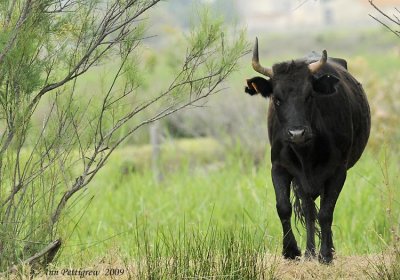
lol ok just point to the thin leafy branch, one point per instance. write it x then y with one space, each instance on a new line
54 135
393 21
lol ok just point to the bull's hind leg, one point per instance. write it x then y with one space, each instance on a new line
281 180
329 197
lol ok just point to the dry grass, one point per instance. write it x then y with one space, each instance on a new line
343 267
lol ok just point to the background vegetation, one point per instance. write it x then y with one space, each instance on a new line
216 198
213 214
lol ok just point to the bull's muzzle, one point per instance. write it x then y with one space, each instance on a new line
299 134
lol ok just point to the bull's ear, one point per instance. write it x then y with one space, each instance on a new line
326 84
258 85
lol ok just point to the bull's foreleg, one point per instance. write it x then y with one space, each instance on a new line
281 180
329 197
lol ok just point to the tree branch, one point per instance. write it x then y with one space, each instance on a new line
105 31
48 252
17 27
394 20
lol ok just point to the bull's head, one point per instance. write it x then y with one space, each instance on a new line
293 87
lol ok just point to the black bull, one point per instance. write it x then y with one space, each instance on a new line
318 126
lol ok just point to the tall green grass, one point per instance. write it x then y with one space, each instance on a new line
218 219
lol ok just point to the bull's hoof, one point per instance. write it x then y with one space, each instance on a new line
310 255
325 259
291 253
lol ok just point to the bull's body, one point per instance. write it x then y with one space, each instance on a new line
318 125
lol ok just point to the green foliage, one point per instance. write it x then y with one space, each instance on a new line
74 86
208 50
56 133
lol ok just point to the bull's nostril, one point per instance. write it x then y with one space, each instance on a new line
296 134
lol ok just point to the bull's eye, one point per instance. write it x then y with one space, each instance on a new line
277 101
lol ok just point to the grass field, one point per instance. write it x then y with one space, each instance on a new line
213 215
217 217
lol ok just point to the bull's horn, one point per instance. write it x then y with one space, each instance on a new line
315 66
256 63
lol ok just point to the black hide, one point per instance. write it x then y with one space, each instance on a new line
318 126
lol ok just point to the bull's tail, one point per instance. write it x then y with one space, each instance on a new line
298 208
